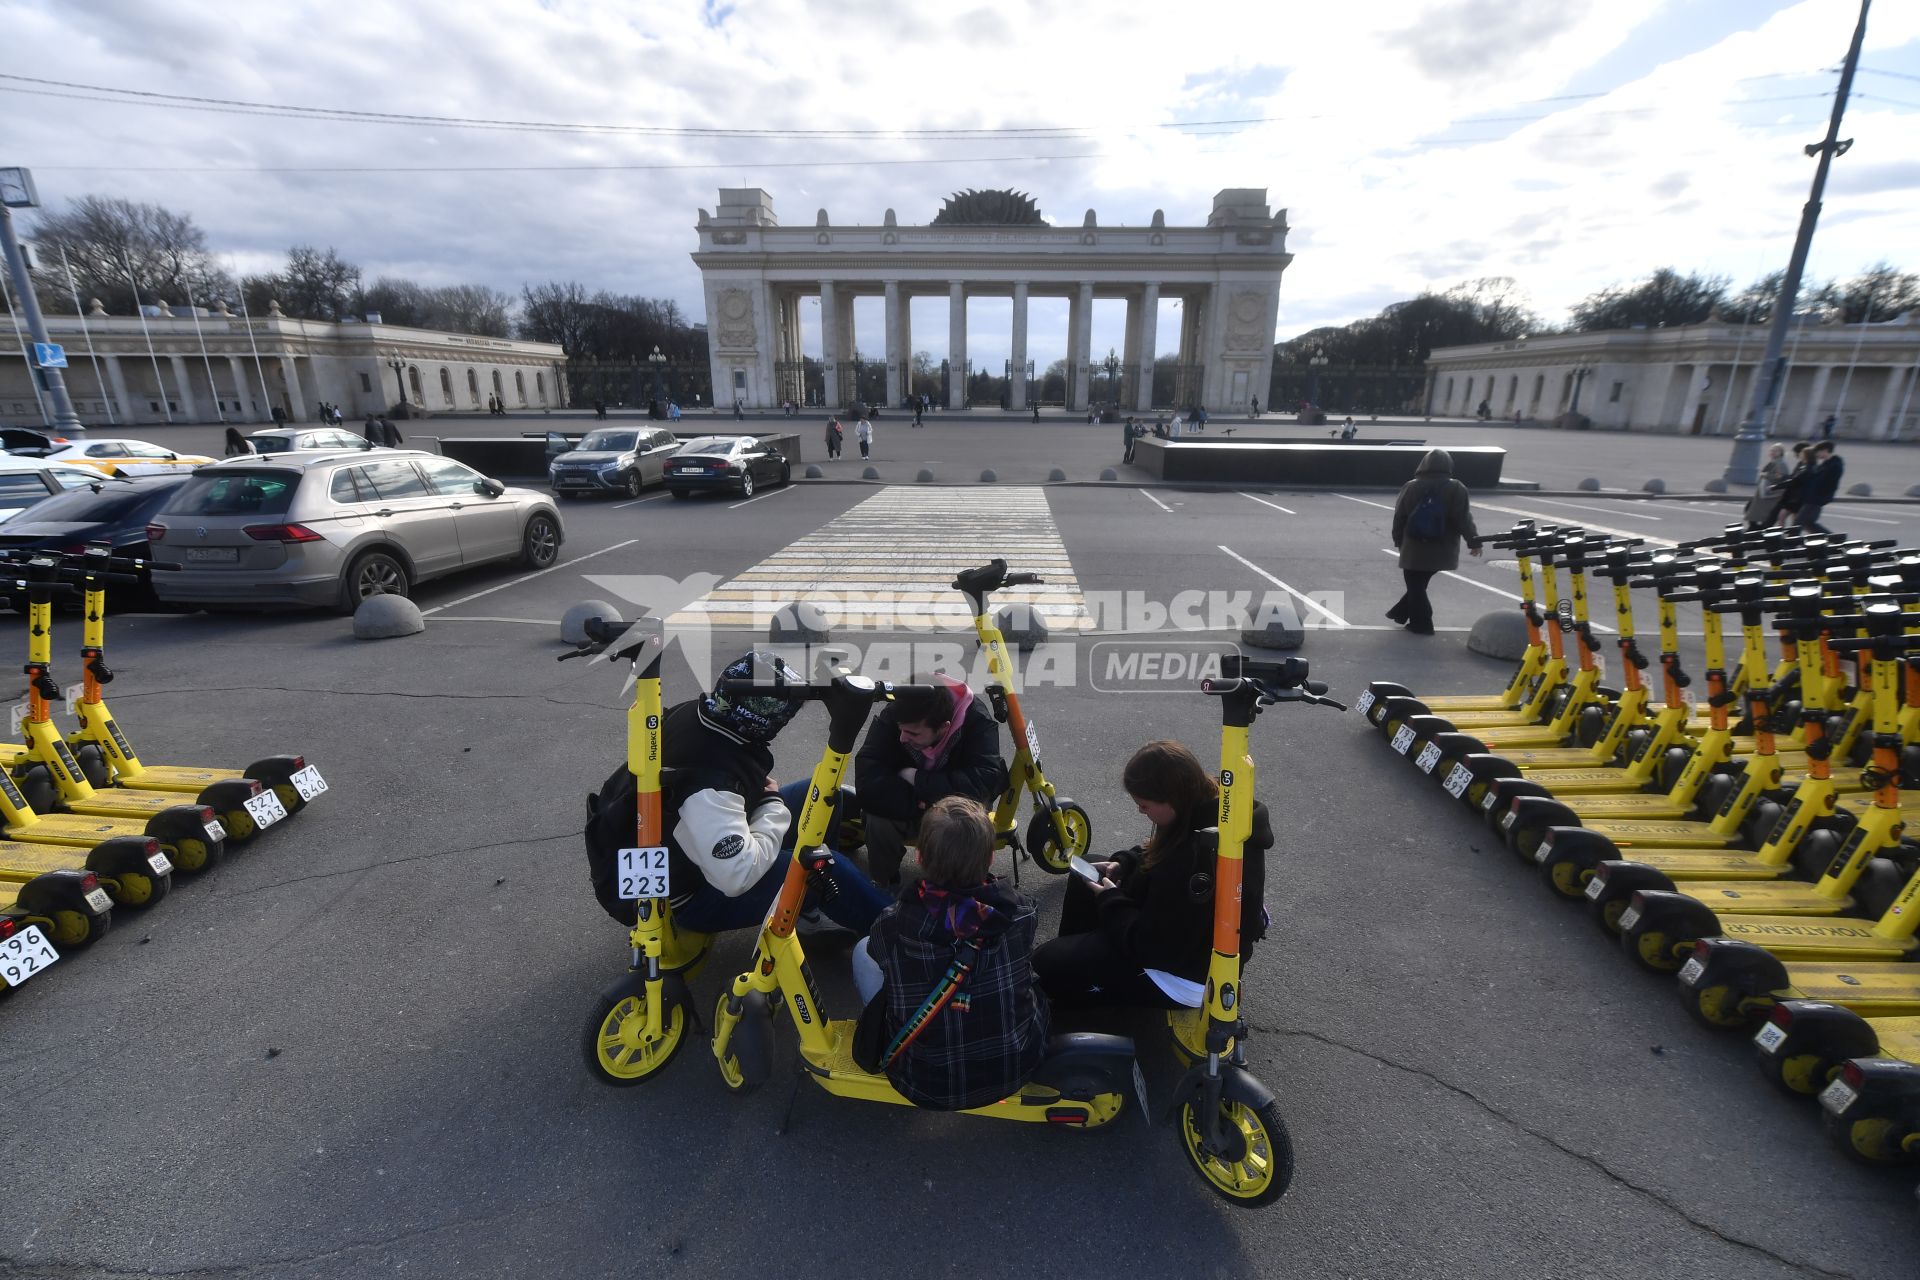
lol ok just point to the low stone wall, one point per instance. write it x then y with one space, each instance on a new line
1379 466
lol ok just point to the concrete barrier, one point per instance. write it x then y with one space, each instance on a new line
1330 464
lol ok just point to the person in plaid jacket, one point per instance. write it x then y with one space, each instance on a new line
952 1044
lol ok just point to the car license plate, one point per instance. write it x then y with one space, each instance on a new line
1429 756
265 809
1507 820
308 783
1363 702
1630 917
1770 1037
1403 739
25 954
1458 780
1837 1097
1140 1090
213 555
1690 972
644 873
1595 887
215 830
98 900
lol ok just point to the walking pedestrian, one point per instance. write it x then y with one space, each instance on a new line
389 434
916 411
1791 487
739 413
1036 411
1826 428
835 438
1430 517
1129 434
1821 486
236 444
1256 406
1764 505
864 433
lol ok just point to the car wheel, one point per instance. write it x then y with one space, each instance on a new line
540 544
372 573
746 485
632 485
786 473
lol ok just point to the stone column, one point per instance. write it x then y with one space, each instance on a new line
1080 348
238 368
956 344
1148 334
117 379
292 376
906 342
1880 426
897 359
1814 411
1017 390
830 343
189 409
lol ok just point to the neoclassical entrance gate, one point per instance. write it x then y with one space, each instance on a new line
992 243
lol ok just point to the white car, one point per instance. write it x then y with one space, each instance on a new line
126 457
26 481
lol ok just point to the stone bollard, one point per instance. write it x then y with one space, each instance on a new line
1500 634
1715 485
925 477
1021 624
1590 485
383 617
573 623
1109 474
1861 490
1654 486
798 622
988 477
871 473
1055 476
814 472
1275 633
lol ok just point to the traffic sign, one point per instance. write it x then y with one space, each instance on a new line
49 355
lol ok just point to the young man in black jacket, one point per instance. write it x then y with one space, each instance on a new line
1820 485
920 748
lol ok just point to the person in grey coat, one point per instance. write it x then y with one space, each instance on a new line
1420 557
1764 506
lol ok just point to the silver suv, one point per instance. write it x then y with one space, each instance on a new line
334 528
612 460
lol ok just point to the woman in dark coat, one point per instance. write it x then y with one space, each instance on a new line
1763 508
1421 557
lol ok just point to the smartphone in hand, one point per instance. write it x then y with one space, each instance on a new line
1084 869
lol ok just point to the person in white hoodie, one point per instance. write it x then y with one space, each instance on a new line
864 433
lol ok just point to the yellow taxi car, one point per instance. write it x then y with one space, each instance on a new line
127 457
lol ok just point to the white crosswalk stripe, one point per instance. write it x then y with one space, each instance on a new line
888 564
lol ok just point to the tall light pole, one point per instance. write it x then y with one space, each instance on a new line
657 362
1314 364
16 192
1743 467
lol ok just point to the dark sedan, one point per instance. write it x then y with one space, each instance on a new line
114 511
731 464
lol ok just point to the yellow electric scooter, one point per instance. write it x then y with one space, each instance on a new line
66 906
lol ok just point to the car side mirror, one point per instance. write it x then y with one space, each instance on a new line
489 486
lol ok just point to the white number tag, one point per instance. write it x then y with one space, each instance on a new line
1837 1097
158 861
1458 779
1543 852
216 831
1140 1088
1507 820
308 783
1403 739
25 954
98 900
1770 1037
1595 887
73 693
265 809
1487 800
1690 972
643 873
1363 702
20 710
1630 917
1033 740
1429 756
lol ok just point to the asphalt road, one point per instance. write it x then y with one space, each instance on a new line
353 1049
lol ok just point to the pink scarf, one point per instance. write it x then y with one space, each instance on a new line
936 754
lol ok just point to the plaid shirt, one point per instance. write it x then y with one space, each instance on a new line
992 1035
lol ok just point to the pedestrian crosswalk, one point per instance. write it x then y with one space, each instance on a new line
888 564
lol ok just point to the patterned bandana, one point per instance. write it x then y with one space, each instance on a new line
752 717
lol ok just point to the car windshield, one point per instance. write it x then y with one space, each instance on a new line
708 444
236 493
607 442
112 502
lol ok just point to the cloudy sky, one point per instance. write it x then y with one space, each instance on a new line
1415 143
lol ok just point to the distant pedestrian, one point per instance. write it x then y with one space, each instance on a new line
916 411
600 409
1347 430
739 413
1821 485
1200 418
1794 484
389 434
1256 406
1764 505
835 437
491 407
279 416
864 433
1484 412
1036 411
1826 428
237 444
1130 436
1430 517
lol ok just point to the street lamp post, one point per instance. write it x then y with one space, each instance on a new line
1112 365
1314 365
17 192
657 362
399 368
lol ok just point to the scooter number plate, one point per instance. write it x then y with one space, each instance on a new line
1488 800
216 831
643 873
1403 740
1770 1037
1689 972
1837 1097
308 783
1429 756
25 954
98 900
158 861
1631 917
1364 701
1458 780
1033 741
1140 1090
1507 820
1595 887
265 809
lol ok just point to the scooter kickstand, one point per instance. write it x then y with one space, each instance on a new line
785 1126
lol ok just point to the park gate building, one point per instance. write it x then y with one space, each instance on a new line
993 243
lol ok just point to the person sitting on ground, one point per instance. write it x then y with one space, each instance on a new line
920 748
237 444
1143 936
723 816
990 1036
1347 430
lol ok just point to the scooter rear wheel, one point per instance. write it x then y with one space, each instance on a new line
1263 1174
1043 841
615 1044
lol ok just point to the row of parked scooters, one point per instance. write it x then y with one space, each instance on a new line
86 826
1749 840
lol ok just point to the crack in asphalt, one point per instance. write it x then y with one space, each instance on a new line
397 860
1593 1162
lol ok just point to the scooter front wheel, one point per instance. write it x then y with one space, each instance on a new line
1264 1170
1043 837
616 1044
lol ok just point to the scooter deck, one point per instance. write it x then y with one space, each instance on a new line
124 802
1589 782
20 861
1551 758
74 829
1628 806
1899 1037
178 778
1778 897
1709 864
1868 989
1468 702
1813 938
1497 740
1511 719
1628 833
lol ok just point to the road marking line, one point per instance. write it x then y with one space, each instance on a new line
1156 502
773 493
1474 582
529 577
1364 501
1550 518
531 622
1263 502
1314 605
1581 506
634 502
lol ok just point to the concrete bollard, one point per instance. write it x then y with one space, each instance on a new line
798 622
925 477
1276 633
1055 476
871 473
1500 634
384 617
1109 474
1590 485
1654 486
988 477
1861 490
813 471
573 623
1021 624
1715 485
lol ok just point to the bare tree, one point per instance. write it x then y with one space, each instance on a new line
104 237
316 285
1664 298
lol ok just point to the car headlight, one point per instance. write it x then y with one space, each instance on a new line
608 468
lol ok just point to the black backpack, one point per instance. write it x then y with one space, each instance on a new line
613 815
1428 523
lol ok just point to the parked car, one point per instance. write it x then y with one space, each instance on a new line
125 457
333 528
28 443
25 482
286 439
613 460
734 464
112 511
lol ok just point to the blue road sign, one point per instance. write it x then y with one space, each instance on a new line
49 355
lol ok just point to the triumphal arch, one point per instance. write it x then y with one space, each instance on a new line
984 244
